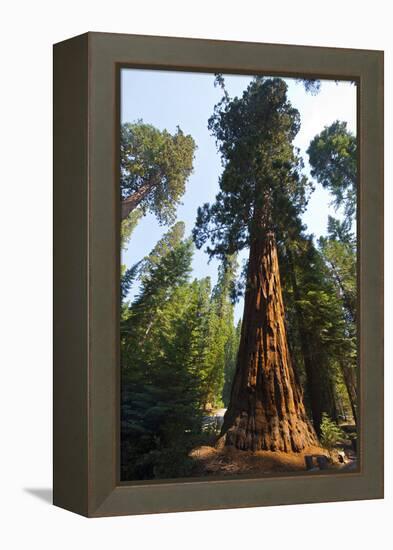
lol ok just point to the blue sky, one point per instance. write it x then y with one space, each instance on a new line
167 99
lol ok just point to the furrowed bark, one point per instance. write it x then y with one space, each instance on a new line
266 410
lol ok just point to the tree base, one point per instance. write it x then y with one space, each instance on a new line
251 433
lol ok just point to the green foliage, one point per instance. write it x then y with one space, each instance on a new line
311 85
331 433
160 395
128 225
156 165
339 253
333 160
231 349
166 245
173 339
315 321
321 310
128 277
341 231
344 408
219 334
262 170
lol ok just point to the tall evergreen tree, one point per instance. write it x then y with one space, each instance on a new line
161 396
127 227
231 351
315 319
333 159
261 194
338 251
154 168
221 319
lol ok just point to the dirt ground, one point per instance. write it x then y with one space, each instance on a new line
229 461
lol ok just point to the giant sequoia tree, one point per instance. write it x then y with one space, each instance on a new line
154 169
262 193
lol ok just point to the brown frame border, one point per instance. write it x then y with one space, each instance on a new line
86 273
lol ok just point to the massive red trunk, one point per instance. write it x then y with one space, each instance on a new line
266 409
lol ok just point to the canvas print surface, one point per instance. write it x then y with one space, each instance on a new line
238 317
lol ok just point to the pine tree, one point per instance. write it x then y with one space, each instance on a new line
161 398
220 327
127 227
231 351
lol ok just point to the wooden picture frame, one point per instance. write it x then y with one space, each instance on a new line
86 272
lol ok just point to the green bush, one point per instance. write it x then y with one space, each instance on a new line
331 433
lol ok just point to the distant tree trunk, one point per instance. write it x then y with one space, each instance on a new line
350 383
266 409
347 300
130 203
319 385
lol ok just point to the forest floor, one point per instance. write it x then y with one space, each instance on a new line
229 460
212 460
